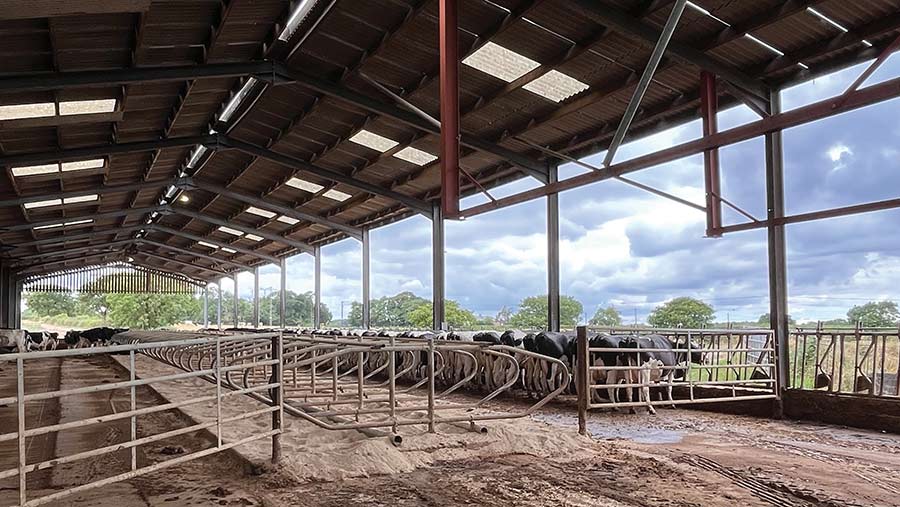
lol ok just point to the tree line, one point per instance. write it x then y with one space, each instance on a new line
402 310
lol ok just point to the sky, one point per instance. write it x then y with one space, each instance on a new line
624 247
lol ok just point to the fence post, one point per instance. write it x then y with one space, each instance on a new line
20 409
277 396
218 391
431 385
582 378
133 408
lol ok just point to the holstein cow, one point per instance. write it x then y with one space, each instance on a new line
41 340
12 340
91 337
555 345
674 363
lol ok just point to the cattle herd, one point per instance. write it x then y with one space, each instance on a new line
623 362
21 340
633 363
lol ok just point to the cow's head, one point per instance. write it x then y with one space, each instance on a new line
72 337
508 338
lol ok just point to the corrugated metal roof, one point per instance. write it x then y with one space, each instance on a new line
393 42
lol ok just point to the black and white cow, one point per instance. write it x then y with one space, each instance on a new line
13 340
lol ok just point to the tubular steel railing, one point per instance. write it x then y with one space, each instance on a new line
734 365
374 385
860 361
215 369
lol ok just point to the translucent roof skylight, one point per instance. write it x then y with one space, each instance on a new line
556 86
208 245
374 141
79 165
34 170
288 220
303 185
43 204
229 230
87 106
82 164
337 195
81 198
20 111
500 62
237 99
229 250
253 237
260 212
415 156
65 224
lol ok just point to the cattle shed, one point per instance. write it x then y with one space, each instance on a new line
183 142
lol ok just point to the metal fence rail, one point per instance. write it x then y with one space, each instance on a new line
376 385
862 361
735 365
23 433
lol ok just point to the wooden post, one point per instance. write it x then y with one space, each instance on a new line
277 397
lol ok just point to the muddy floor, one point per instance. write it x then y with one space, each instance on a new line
676 458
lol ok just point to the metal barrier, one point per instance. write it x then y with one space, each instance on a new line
862 361
371 384
730 365
215 370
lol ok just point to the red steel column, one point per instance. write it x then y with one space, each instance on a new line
449 56
709 106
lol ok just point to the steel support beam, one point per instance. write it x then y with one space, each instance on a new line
181 263
299 245
366 279
816 215
864 97
206 306
45 267
449 70
194 237
219 305
282 299
256 297
152 185
72 251
337 177
103 78
437 268
532 167
619 20
709 110
644 83
262 203
237 300
88 152
95 217
553 297
192 253
777 250
79 236
317 288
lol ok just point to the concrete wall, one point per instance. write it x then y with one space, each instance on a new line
868 412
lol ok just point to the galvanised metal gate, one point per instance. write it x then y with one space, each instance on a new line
218 367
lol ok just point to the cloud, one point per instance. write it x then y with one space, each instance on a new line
623 246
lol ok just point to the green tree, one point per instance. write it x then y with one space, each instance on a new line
387 311
765 321
92 304
503 316
608 316
298 309
43 304
533 310
457 317
875 314
682 312
149 311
